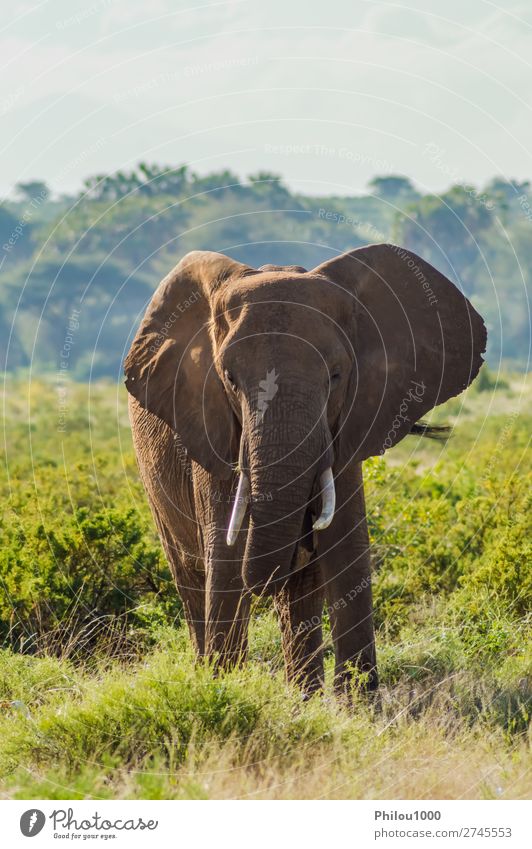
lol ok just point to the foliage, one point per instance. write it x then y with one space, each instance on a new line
103 251
169 729
80 566
99 693
486 381
393 188
481 241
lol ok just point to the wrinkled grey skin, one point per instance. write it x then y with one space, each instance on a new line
282 373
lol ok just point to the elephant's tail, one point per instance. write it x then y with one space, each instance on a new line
441 432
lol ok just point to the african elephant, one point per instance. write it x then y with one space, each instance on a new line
255 395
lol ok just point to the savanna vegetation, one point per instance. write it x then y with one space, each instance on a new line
99 692
100 253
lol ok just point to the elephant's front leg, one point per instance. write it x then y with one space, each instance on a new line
227 613
227 603
299 606
344 554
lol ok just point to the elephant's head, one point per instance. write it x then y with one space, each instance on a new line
284 374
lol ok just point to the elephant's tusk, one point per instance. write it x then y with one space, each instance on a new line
239 509
328 501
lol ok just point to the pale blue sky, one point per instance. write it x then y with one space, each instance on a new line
326 93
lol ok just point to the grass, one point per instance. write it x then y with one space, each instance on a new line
166 728
100 696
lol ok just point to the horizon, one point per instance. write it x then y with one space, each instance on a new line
245 178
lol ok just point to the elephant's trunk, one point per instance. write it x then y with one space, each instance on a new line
283 466
328 503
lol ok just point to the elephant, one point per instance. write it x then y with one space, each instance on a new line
255 395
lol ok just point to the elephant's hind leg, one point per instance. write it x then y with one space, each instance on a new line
300 608
191 588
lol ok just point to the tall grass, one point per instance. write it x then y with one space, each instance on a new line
167 728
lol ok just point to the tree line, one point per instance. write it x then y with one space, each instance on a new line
99 254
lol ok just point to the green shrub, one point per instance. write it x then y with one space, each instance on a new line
487 381
64 585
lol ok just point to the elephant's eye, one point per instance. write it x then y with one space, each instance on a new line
335 376
230 379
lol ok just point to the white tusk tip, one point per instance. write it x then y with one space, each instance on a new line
328 501
321 524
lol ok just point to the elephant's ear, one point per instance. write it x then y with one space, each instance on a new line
169 368
416 341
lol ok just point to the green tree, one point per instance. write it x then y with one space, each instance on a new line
449 231
393 188
31 190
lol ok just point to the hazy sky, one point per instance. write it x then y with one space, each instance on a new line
327 93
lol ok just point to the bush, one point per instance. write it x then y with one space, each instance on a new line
66 587
80 565
487 381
